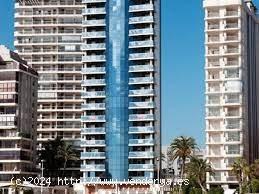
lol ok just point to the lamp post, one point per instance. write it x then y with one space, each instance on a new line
41 187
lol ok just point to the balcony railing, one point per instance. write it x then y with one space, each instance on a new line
213 14
139 80
92 154
141 68
93 70
232 13
141 130
93 167
148 43
93 130
143 31
233 152
140 166
141 92
233 126
93 106
93 94
141 117
96 46
90 82
93 34
93 58
143 7
138 56
94 22
144 154
141 104
141 141
94 11
231 25
92 142
93 118
213 26
144 19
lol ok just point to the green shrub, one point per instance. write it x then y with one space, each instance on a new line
216 190
255 186
195 190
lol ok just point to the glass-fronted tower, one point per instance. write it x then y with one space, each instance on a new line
121 89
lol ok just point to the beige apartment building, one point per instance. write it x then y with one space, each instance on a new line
231 66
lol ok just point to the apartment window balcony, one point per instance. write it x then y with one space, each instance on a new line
143 154
134 44
233 126
213 114
213 39
94 22
141 105
232 75
213 14
94 82
143 31
94 11
213 27
93 58
93 94
232 50
232 63
93 118
143 19
232 100
213 101
89 155
100 130
142 92
93 1
233 152
141 166
139 56
215 139
232 38
141 142
137 68
231 13
93 70
231 25
93 167
213 89
93 106
93 142
141 130
213 52
213 76
94 34
143 7
233 138
95 46
141 80
141 117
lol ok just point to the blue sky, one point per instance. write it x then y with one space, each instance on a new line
182 65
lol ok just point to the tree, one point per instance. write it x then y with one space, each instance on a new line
66 153
255 169
241 170
181 148
197 168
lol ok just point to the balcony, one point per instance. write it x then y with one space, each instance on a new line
213 52
233 152
143 31
231 25
213 101
141 166
93 118
95 46
140 68
93 82
143 19
143 154
94 34
213 39
93 70
86 131
92 142
232 38
137 44
231 13
141 80
232 51
141 130
213 27
93 58
215 178
90 155
141 117
94 22
93 94
233 100
213 114
93 167
138 142
141 105
143 7
213 14
93 1
94 11
93 106
139 56
233 126
142 92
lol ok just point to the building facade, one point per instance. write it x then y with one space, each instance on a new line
231 46
48 36
121 89
18 117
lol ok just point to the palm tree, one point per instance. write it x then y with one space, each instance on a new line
197 169
241 170
181 148
66 153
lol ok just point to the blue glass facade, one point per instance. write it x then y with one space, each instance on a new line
117 90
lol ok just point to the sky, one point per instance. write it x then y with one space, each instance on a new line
182 65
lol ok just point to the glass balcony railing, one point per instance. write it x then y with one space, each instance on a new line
233 152
213 14
93 58
93 130
231 25
93 82
141 141
94 22
92 154
143 7
233 126
144 19
93 70
139 80
93 1
95 46
92 142
141 68
94 11
143 154
141 117
93 106
142 92
93 94
140 166
232 100
137 56
143 31
232 13
93 118
93 34
148 43
213 26
141 130
93 167
141 104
